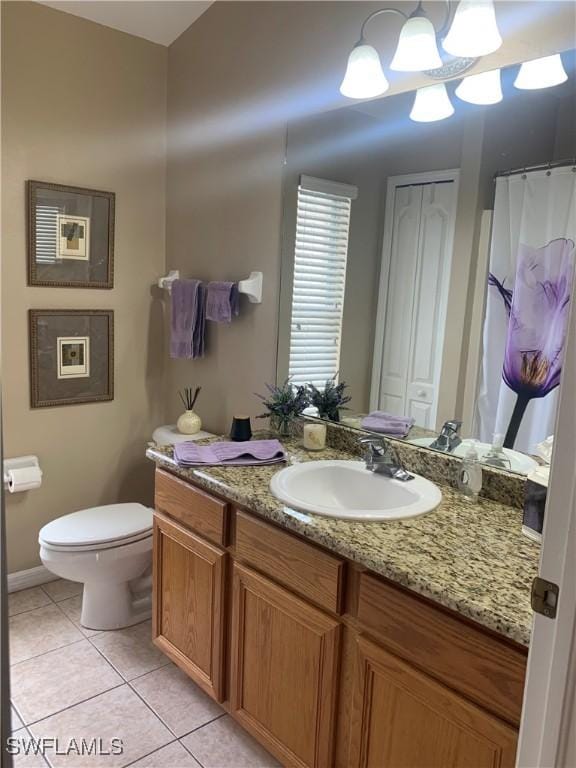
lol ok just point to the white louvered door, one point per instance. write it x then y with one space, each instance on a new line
419 274
321 251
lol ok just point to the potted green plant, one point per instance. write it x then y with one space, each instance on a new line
330 400
284 403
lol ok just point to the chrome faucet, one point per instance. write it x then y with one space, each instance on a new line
449 438
381 459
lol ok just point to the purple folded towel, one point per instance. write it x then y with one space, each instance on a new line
387 423
229 453
222 301
187 325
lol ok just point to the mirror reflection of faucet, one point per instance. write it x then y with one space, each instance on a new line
449 438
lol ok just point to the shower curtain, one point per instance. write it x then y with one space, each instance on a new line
530 282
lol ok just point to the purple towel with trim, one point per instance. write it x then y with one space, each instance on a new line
187 322
387 423
256 452
222 301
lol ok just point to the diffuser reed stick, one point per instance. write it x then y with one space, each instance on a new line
189 399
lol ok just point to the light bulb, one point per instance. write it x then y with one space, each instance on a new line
417 50
484 88
364 77
431 103
474 31
541 73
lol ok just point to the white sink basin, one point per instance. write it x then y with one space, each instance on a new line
347 490
519 462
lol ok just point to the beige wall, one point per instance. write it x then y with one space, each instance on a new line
82 105
235 79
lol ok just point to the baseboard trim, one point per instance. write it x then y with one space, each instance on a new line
30 578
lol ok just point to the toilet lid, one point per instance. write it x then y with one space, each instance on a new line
98 525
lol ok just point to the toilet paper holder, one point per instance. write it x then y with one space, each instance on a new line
20 462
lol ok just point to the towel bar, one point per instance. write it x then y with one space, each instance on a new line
251 287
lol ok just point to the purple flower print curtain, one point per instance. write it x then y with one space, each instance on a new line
530 283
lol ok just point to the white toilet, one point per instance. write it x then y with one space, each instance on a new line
109 550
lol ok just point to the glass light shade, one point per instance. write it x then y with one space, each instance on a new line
431 103
417 49
364 77
484 88
541 73
474 31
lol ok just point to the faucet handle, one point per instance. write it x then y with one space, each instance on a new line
374 444
452 426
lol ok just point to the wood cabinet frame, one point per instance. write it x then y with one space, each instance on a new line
375 637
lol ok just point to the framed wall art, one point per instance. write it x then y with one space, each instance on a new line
70 236
71 356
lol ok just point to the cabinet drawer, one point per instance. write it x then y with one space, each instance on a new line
488 671
302 567
196 509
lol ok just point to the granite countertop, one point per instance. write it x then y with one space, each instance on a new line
468 557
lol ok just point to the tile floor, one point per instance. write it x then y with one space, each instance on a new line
70 683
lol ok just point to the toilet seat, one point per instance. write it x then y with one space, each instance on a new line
96 528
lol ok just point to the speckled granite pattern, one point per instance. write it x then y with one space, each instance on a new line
468 557
498 485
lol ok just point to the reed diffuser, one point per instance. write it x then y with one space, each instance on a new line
189 423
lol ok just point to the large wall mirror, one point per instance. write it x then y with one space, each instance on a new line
429 266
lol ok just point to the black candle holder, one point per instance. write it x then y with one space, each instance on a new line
241 429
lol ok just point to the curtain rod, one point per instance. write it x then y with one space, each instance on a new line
541 167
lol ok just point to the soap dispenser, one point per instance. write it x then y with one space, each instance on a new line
470 474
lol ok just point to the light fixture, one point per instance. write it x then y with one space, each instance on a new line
484 88
431 103
541 73
474 31
364 77
417 48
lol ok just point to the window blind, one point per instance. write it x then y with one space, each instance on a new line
321 251
46 233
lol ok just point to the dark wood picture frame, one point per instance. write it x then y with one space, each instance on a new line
38 399
34 278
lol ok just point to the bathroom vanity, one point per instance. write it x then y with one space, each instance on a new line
339 643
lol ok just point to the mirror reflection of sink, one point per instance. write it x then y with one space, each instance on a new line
347 490
519 462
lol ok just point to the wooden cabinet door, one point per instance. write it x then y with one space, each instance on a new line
187 618
284 671
402 718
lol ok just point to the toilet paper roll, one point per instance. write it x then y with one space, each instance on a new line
24 479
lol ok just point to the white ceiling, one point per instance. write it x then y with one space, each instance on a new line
160 21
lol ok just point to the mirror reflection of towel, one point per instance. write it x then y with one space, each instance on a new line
222 301
388 423
188 319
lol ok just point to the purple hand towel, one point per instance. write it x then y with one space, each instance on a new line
222 301
255 452
187 326
387 423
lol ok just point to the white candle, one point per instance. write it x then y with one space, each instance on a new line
314 437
